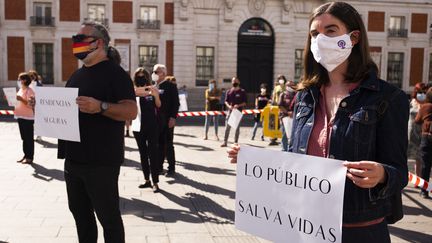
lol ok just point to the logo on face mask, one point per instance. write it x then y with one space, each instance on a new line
330 52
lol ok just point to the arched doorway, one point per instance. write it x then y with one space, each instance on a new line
255 54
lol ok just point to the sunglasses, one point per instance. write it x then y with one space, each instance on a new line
82 37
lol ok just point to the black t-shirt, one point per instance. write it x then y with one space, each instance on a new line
102 139
149 120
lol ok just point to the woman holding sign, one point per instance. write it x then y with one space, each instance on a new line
25 115
344 111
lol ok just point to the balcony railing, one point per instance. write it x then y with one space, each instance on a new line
101 21
148 24
41 21
398 33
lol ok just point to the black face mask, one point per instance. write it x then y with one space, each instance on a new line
235 85
140 82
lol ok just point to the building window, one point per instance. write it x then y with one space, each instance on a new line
96 13
148 18
298 65
43 61
148 57
42 15
395 68
397 27
204 65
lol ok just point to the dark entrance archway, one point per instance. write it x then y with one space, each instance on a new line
255 54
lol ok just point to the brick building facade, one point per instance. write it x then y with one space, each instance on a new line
204 39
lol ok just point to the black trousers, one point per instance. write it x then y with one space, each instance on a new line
166 148
26 131
377 233
94 189
147 142
426 156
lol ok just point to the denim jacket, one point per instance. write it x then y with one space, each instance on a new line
362 130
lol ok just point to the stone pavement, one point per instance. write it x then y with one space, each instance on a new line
195 206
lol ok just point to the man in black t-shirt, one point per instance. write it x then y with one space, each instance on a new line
170 104
106 100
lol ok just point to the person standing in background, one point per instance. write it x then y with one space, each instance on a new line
424 118
212 96
418 97
36 82
277 91
235 99
261 101
286 104
147 137
25 116
168 94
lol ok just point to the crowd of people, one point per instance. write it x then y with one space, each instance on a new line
339 110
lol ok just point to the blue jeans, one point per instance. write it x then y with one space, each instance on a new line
208 119
255 128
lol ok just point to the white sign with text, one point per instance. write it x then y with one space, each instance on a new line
235 118
288 197
11 94
56 113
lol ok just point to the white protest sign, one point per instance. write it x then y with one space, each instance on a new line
287 123
136 123
183 102
11 94
56 113
288 197
235 118
124 55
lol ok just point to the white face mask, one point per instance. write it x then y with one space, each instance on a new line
331 51
155 77
421 97
281 81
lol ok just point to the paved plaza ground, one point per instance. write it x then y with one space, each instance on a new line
195 206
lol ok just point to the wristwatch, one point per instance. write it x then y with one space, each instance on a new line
103 107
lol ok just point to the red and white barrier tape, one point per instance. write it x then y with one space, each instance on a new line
417 181
180 114
212 113
7 112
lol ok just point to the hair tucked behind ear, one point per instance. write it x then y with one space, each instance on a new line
113 55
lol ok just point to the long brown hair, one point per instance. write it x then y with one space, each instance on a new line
360 64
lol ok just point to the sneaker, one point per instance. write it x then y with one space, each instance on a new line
252 138
156 188
223 145
424 194
170 174
145 185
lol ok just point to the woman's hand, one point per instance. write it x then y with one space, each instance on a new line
233 153
365 174
142 92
